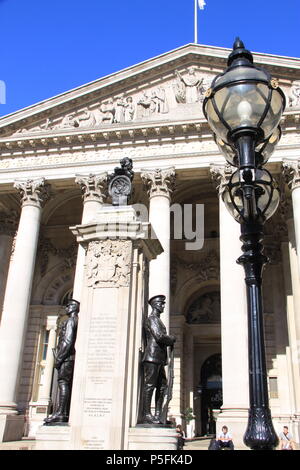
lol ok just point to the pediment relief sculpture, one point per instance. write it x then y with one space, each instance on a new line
177 98
189 88
294 95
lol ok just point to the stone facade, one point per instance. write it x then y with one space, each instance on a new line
54 152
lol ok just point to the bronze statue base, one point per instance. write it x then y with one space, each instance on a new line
56 423
148 425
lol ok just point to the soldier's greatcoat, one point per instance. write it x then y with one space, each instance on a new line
157 341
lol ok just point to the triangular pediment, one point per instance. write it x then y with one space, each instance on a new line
167 88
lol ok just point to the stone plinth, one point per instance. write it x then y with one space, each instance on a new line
53 438
106 384
152 438
11 427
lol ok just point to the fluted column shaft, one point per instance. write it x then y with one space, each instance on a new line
160 183
234 325
292 175
92 187
18 290
8 227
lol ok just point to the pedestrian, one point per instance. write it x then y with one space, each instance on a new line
286 439
180 437
224 440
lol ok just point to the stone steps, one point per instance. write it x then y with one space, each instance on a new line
24 444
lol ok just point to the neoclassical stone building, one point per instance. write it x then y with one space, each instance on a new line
54 160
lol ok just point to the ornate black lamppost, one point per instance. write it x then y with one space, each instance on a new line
243 108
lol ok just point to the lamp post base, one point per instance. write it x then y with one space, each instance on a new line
260 433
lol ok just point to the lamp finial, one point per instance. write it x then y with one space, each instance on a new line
239 52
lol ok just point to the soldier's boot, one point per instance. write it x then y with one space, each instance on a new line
158 407
61 413
148 418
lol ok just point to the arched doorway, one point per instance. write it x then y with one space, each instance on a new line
210 389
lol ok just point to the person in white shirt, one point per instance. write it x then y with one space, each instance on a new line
286 439
225 439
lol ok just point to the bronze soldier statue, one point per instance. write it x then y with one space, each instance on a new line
64 363
154 360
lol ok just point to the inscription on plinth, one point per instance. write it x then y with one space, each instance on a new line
100 370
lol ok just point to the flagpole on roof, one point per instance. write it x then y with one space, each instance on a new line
198 4
196 22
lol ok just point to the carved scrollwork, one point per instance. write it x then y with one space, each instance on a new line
33 191
67 255
159 181
291 172
8 223
92 186
208 268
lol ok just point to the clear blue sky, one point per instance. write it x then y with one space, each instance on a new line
51 46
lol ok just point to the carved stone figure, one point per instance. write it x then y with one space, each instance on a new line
120 183
294 97
163 106
64 363
129 109
107 112
158 101
143 106
192 86
179 91
87 119
120 109
67 122
154 361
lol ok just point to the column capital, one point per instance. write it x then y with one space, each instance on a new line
8 222
92 186
34 192
159 181
291 173
220 175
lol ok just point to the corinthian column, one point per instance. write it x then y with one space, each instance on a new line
290 260
18 291
160 183
234 329
8 225
93 192
291 171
